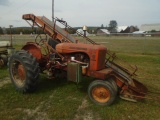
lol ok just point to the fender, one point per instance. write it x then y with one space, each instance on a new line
34 49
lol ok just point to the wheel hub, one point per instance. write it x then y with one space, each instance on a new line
21 72
101 94
18 73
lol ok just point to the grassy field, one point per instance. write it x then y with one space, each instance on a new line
62 100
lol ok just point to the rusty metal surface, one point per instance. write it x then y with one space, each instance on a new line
18 73
58 30
49 27
130 91
101 94
101 74
78 33
120 66
52 29
21 72
96 53
34 49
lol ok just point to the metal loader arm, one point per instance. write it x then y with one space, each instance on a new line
49 27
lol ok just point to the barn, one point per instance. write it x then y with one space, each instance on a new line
150 27
127 29
103 32
121 28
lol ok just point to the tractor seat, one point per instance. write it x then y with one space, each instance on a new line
53 42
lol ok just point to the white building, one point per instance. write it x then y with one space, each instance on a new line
82 32
121 28
150 27
103 32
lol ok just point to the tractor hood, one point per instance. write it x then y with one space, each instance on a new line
79 47
96 53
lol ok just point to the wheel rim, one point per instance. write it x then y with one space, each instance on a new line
18 73
101 94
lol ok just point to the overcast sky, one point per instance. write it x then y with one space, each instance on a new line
82 12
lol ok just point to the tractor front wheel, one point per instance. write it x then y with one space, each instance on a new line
101 92
24 71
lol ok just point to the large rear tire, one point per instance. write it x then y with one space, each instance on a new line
24 71
101 93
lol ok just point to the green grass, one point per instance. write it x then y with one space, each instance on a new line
139 45
66 100
3 72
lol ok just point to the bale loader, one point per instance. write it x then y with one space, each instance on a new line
65 56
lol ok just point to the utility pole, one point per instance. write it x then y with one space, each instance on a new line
11 33
52 10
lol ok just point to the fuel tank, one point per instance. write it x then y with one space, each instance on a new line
96 53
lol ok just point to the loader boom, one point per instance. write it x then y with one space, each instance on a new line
49 27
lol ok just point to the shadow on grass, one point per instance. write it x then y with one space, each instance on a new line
46 84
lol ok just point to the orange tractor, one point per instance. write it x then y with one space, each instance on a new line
63 55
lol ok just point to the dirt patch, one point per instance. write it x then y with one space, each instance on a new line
4 81
36 113
84 113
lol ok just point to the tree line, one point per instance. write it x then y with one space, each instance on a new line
21 30
111 27
28 30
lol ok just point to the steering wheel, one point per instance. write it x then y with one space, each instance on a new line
39 39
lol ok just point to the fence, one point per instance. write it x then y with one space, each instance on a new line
132 34
126 44
18 39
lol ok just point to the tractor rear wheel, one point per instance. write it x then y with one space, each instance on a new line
101 92
24 71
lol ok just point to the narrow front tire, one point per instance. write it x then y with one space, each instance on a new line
101 93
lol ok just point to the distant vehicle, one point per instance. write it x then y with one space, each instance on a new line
5 50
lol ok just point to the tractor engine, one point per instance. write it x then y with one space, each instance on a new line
93 55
